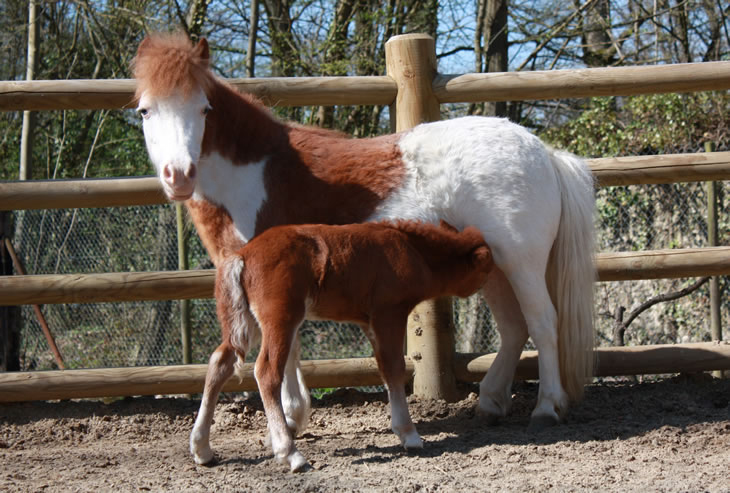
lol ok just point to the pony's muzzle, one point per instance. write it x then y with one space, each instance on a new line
179 184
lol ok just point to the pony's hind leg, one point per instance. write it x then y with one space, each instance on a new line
220 368
295 396
495 390
386 336
541 318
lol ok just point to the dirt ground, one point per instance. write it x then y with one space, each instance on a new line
666 435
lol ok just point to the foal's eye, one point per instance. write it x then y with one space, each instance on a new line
143 112
207 110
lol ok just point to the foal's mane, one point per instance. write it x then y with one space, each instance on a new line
169 62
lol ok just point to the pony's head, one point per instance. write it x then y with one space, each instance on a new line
173 79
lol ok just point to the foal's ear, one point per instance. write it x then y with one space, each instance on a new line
482 258
448 227
201 49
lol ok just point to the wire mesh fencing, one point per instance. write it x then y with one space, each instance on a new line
148 333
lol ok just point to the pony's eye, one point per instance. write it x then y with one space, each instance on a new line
143 112
207 110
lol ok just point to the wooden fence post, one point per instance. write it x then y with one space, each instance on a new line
411 61
712 240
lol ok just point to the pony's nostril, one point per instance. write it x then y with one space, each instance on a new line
167 172
191 172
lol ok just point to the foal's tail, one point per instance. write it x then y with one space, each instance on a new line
233 309
571 272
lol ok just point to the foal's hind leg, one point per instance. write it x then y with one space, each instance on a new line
388 332
495 390
220 368
295 397
277 332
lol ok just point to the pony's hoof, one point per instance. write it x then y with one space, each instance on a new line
298 463
540 423
413 442
490 419
204 459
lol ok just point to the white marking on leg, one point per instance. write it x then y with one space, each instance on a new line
200 436
401 422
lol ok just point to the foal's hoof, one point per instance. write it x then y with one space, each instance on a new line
540 423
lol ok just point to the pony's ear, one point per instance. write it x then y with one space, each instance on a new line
201 49
144 45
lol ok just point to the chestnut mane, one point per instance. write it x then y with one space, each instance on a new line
169 62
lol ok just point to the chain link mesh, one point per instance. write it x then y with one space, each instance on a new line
147 333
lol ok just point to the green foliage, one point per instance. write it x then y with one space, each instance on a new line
647 124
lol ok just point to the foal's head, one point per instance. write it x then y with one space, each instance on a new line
172 80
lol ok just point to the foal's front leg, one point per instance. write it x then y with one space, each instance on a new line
220 368
387 335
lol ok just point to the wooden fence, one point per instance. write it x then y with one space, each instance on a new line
414 91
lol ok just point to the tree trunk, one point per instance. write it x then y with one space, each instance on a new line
490 49
598 49
252 34
26 139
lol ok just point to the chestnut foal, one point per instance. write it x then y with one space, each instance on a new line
371 274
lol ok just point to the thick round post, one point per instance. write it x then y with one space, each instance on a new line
411 62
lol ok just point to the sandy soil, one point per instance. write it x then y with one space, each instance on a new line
668 435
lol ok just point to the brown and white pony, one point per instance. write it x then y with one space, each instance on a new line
241 172
372 274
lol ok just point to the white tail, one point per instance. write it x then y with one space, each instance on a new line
571 272
245 331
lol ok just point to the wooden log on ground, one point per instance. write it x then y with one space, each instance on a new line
115 192
178 379
579 83
189 379
118 94
195 284
615 361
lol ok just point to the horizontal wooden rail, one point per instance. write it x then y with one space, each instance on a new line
71 194
663 264
273 91
195 284
175 379
578 83
615 361
108 287
189 379
374 90
116 192
662 168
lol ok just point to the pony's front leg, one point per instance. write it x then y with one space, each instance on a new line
387 335
269 373
220 368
